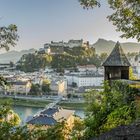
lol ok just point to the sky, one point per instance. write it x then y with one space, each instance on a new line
43 21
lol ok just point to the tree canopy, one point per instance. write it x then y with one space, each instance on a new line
46 86
70 58
8 36
110 108
126 16
35 89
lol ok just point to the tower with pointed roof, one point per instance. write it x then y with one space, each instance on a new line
116 65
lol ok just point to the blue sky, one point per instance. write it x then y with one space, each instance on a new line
41 21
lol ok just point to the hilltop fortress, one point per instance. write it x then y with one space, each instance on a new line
58 47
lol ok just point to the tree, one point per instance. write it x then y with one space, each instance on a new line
59 131
126 16
35 89
8 120
78 129
33 62
8 115
74 84
131 74
103 57
8 36
69 95
12 64
3 81
10 130
110 108
118 117
46 86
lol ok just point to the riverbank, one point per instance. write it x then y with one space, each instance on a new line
40 103
24 102
75 106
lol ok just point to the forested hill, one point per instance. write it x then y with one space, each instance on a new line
70 58
101 46
105 46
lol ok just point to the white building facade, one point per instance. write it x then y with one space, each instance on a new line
84 80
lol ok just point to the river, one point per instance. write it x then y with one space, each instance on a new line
24 112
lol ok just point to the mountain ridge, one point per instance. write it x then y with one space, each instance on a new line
106 46
14 55
101 46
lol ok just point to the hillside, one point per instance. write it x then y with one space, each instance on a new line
14 56
106 46
101 46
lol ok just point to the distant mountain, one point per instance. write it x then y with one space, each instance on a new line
105 46
101 46
14 56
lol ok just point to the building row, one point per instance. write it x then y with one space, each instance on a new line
86 76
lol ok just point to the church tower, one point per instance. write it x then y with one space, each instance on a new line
116 65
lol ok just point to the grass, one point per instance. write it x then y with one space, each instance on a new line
79 106
24 102
39 103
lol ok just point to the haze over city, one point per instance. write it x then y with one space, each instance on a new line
65 72
46 20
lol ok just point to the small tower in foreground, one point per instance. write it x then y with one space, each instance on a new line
116 65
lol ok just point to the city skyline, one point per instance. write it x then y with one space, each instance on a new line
44 21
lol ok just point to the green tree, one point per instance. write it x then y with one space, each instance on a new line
131 74
126 16
74 84
69 95
8 115
12 64
78 129
3 81
33 62
69 59
46 86
103 57
118 117
115 105
59 131
35 89
8 36
8 120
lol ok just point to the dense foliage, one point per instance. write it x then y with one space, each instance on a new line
8 36
110 108
107 109
126 16
131 74
8 120
60 131
37 89
33 62
46 87
69 59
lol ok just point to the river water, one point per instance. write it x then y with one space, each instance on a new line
24 112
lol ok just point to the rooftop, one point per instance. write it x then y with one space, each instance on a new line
19 82
42 120
117 57
50 116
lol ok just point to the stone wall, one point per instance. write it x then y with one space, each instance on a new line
130 132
